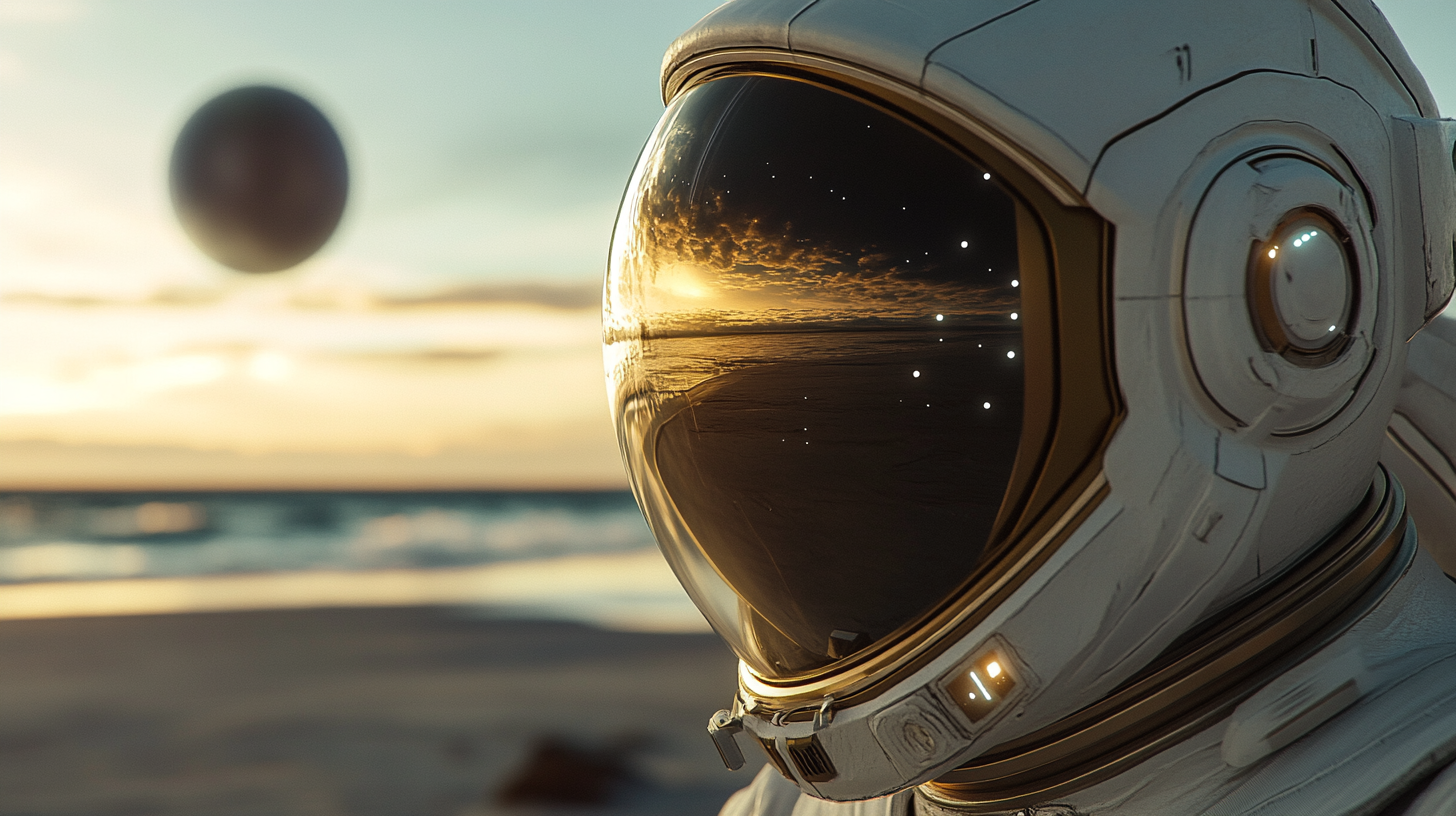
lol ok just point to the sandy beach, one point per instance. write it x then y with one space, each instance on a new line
351 712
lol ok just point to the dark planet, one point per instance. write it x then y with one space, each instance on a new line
259 179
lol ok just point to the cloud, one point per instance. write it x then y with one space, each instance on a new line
410 402
311 298
582 295
61 236
572 456
165 296
438 356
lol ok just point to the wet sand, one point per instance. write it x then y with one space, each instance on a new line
346 711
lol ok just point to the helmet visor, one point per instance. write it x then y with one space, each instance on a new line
815 362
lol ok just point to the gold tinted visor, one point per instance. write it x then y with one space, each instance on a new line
825 323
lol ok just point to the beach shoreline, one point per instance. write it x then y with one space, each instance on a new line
633 590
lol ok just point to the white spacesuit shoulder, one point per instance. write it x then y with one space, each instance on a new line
771 795
1420 446
1439 798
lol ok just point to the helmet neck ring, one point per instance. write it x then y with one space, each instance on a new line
1201 678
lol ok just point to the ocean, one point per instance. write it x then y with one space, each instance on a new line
585 556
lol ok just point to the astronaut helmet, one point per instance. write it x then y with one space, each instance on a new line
1005 382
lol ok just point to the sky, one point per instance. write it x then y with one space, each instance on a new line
449 334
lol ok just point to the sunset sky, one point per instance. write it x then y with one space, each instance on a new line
449 335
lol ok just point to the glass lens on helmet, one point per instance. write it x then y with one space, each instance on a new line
813 344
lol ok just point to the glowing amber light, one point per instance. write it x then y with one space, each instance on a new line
983 685
1273 252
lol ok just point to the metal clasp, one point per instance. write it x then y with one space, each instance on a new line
723 727
825 715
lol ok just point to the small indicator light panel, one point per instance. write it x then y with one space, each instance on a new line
979 687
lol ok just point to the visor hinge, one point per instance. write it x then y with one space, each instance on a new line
722 727
825 715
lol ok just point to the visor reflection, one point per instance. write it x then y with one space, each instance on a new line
814 345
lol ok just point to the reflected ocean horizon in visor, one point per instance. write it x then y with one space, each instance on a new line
814 352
